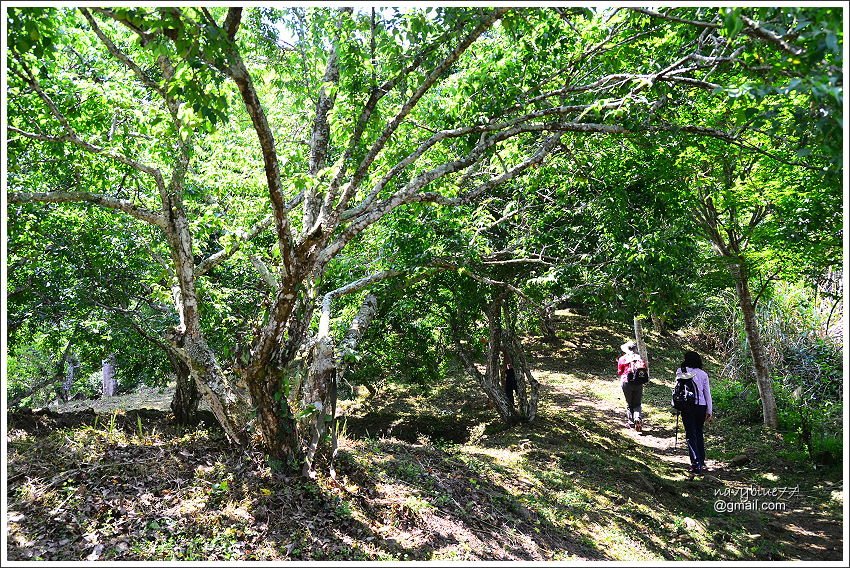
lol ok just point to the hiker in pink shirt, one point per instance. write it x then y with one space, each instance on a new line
627 364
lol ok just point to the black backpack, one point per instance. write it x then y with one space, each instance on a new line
639 376
684 393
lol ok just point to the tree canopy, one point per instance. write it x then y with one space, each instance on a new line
248 190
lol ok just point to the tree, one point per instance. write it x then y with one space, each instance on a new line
737 207
434 106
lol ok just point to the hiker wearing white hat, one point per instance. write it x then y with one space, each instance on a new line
632 372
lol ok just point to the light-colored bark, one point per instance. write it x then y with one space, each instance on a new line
327 365
108 371
640 343
763 379
84 197
73 365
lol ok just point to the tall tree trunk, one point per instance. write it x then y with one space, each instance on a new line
211 382
528 389
763 380
527 386
73 365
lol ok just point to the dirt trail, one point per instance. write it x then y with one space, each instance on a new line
580 377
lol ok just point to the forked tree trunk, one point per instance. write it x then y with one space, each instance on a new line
501 341
528 388
489 380
489 383
184 405
212 384
763 380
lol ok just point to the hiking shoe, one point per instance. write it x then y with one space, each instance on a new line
638 426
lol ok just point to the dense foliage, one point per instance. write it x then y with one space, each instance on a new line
267 203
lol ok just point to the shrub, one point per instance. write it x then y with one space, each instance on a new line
738 401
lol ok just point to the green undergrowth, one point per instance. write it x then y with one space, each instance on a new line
428 475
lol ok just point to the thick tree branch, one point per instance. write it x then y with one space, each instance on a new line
265 274
144 36
324 321
755 30
320 141
410 193
752 29
72 138
81 196
231 23
510 128
375 96
128 316
242 78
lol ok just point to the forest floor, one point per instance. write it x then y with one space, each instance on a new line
427 475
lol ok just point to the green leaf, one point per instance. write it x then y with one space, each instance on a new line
732 22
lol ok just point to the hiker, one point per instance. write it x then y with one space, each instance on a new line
627 365
697 415
510 380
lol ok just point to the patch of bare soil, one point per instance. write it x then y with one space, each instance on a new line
151 398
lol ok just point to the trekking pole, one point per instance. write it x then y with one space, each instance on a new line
676 440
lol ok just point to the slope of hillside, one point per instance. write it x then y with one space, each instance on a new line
429 475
